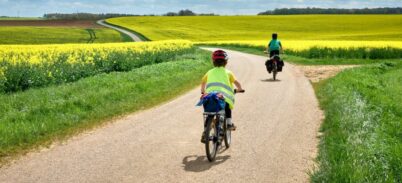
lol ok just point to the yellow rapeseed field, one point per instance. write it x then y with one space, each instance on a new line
297 32
289 27
22 67
78 53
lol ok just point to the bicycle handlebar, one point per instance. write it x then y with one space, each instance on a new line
239 91
235 91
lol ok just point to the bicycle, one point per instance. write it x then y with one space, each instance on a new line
272 66
274 69
216 131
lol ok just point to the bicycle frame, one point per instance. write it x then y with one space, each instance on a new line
216 122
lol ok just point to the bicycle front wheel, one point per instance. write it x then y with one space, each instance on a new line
211 141
228 135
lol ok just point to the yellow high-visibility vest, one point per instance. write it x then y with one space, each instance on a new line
218 81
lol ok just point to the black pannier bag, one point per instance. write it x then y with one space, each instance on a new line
268 65
280 65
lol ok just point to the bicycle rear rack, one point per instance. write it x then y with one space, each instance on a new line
222 112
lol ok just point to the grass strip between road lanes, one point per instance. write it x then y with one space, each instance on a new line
362 131
37 117
256 50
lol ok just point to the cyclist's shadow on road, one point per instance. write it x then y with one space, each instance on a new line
196 163
270 80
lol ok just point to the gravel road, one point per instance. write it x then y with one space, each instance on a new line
276 139
128 33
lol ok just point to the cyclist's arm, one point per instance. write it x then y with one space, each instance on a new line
269 44
233 80
204 83
238 85
266 49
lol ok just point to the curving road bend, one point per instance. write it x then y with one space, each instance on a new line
276 139
133 36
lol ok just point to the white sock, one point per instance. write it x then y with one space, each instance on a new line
229 121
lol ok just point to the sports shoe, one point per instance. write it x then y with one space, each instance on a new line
232 127
203 137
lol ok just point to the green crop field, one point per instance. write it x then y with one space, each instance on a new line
302 27
55 35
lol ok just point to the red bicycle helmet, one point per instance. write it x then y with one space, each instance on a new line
219 54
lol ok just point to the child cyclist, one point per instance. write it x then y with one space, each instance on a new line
221 80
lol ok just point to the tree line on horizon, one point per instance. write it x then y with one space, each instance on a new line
187 12
308 10
92 16
83 16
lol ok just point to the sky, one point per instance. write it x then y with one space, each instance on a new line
36 8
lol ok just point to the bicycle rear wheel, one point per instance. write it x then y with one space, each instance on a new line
211 141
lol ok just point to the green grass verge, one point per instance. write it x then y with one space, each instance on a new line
38 116
348 53
125 38
55 35
362 131
302 60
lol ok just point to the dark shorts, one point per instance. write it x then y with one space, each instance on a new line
273 52
228 111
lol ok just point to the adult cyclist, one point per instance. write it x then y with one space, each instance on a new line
274 46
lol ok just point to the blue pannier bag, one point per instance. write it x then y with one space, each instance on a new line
212 103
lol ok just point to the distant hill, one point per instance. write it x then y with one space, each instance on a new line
296 11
